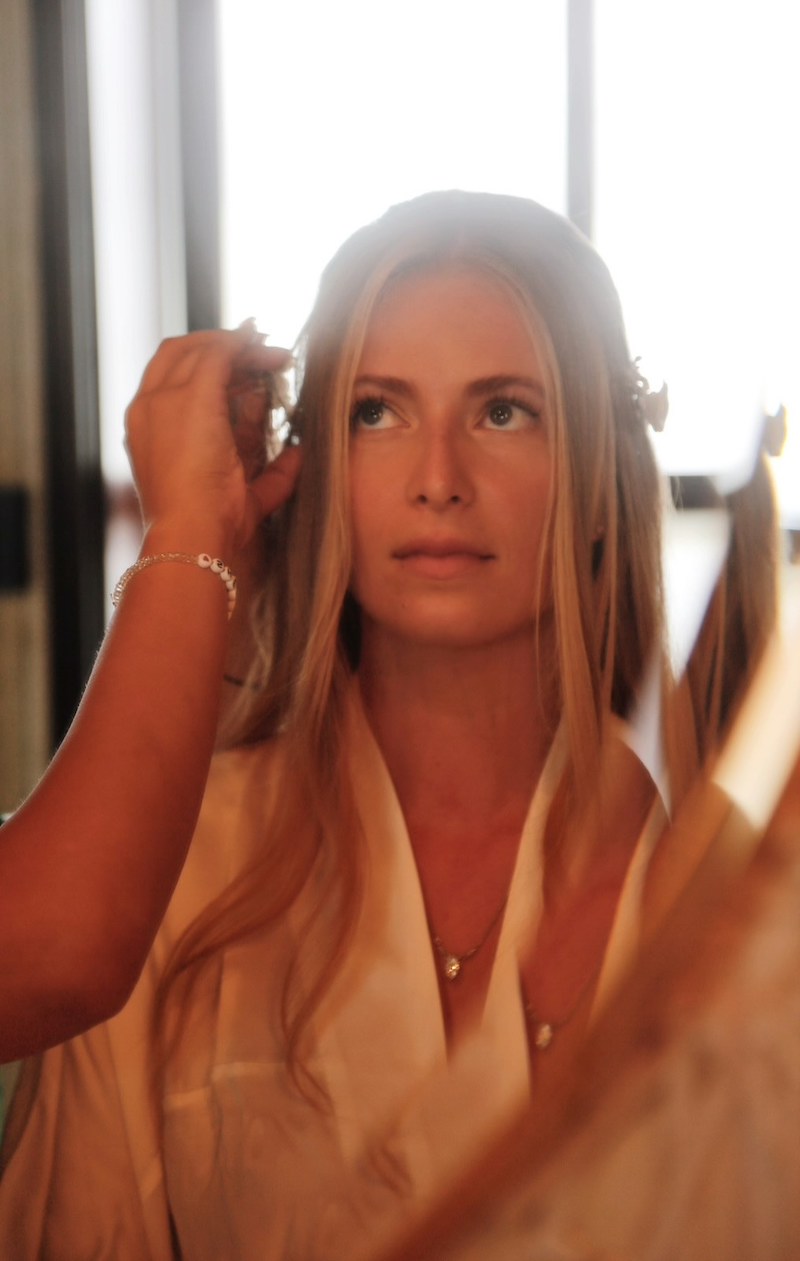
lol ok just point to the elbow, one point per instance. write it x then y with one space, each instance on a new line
94 997
105 961
73 969
97 984
56 1005
87 988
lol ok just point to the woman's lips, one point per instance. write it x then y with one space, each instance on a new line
441 558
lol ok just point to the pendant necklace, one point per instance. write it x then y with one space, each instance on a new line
453 963
544 1031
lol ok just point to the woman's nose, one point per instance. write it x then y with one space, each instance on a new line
441 475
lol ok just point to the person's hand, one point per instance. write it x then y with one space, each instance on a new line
195 484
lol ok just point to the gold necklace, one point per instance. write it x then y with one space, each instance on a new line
453 963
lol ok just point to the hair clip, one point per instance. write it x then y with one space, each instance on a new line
652 405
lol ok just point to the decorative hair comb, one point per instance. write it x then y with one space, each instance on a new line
652 405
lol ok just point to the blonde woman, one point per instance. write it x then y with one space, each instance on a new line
416 868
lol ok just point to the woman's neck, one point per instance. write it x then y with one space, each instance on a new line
464 735
464 732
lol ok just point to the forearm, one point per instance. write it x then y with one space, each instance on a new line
88 863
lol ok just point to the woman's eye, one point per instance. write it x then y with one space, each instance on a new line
509 414
372 413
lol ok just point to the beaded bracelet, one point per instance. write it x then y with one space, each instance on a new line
204 561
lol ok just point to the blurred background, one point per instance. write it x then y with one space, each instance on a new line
177 164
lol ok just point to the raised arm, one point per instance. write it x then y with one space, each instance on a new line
88 862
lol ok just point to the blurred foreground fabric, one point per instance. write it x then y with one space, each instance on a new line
679 1135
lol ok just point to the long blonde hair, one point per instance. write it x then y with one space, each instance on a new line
603 535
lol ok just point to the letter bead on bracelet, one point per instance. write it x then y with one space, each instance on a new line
204 561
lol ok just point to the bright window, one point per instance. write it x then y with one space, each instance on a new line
697 207
330 113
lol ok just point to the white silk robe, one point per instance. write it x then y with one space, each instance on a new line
230 1158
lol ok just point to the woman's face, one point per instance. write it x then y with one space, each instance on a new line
450 464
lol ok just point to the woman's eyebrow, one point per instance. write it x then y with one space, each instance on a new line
482 386
392 385
488 385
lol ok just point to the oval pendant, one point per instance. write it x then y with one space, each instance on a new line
452 967
543 1034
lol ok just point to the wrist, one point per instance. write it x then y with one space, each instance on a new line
213 565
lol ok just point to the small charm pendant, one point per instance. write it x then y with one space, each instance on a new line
452 967
542 1035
